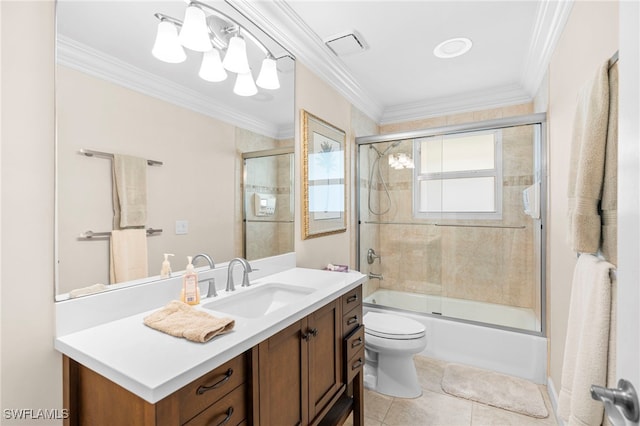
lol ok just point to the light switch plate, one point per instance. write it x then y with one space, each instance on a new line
182 227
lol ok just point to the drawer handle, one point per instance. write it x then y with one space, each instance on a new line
352 320
357 364
225 379
353 298
356 342
313 332
226 419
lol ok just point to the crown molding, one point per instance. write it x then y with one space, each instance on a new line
494 97
551 19
280 21
85 59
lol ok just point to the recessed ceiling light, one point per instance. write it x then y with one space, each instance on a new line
452 47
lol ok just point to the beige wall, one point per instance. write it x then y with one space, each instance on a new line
589 38
318 98
31 368
193 184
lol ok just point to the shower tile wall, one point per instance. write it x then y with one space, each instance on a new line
273 177
493 265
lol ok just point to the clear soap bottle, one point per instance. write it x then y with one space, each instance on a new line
165 271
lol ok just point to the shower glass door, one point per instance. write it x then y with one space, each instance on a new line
454 218
268 203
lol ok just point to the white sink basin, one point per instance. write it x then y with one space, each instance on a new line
259 301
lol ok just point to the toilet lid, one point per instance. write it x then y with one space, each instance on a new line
392 326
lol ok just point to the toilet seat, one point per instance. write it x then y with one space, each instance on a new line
394 327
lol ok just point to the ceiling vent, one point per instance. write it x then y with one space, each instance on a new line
346 43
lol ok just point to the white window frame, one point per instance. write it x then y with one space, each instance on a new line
496 172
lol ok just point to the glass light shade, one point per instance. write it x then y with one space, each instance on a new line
211 68
167 48
236 58
194 33
268 77
244 85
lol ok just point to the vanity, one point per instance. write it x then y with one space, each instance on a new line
301 363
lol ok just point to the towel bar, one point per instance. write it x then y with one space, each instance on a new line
91 153
87 235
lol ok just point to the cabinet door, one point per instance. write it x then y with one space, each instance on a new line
325 349
283 377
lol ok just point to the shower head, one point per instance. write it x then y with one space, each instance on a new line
386 150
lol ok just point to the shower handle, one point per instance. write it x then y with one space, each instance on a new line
372 256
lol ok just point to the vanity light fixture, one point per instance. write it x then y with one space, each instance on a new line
211 32
401 161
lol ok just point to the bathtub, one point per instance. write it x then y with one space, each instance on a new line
506 351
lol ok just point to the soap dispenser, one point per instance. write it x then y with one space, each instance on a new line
165 272
190 291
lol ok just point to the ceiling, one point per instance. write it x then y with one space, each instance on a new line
397 78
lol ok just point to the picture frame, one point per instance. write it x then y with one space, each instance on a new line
324 200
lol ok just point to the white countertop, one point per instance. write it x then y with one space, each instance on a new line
152 364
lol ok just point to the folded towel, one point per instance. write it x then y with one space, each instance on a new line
587 342
181 320
129 191
586 167
96 288
128 255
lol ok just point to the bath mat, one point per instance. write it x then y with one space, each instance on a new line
495 389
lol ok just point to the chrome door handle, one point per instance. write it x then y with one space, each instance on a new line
624 397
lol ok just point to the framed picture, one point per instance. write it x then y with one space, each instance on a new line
323 177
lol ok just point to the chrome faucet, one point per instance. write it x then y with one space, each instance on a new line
375 276
211 290
245 276
371 256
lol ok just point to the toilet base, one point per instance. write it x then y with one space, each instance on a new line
393 376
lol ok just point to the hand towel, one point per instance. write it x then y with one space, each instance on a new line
609 205
129 191
96 288
587 342
181 320
128 255
587 163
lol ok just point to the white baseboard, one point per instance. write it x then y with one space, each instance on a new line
553 396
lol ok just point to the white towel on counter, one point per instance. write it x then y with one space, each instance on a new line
587 342
128 255
129 191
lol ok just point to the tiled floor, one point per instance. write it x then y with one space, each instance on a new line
436 408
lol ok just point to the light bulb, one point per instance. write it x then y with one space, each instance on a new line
244 85
211 68
194 33
236 58
268 77
167 48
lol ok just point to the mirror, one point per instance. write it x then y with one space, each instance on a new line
114 97
323 177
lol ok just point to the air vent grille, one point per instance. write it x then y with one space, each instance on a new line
346 43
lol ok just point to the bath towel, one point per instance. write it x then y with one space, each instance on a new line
129 191
587 342
609 205
128 255
181 320
586 168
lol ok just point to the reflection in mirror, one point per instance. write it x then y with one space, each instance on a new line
268 202
113 96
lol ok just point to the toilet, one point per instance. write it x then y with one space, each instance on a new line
390 343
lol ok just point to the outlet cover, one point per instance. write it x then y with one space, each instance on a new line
182 227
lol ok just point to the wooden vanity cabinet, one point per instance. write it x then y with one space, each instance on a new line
300 369
306 374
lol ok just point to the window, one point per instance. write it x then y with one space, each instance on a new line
459 176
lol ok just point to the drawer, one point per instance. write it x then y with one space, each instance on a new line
231 410
352 299
204 391
354 342
351 321
355 364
